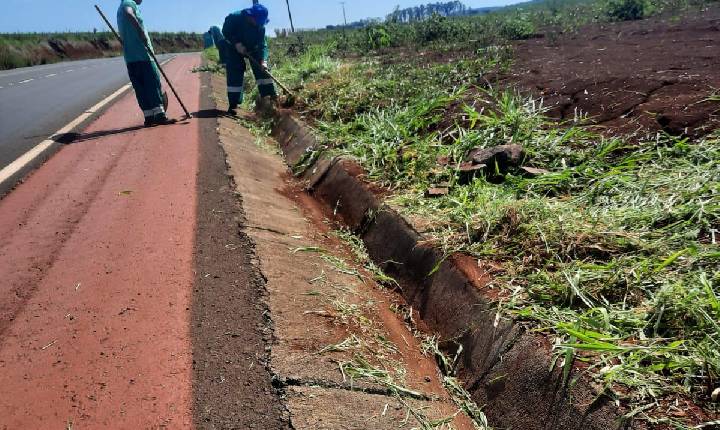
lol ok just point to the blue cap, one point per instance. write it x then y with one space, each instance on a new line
259 12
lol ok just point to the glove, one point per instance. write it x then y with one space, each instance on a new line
240 48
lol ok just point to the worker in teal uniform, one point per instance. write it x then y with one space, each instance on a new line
244 31
208 41
220 42
143 72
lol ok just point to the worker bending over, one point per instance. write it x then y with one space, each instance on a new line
143 72
245 32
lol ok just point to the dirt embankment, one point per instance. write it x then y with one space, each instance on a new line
29 50
641 76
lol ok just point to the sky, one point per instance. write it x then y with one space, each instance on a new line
194 16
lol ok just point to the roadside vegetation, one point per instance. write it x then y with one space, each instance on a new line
444 33
31 49
610 245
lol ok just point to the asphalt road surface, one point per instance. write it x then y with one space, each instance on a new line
35 102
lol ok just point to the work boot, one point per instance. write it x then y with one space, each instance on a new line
148 121
162 119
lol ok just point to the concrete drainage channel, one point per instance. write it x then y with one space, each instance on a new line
503 366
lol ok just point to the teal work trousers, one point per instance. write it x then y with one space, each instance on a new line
145 79
236 79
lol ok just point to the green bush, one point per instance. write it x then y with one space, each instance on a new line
517 28
9 59
377 37
436 28
626 10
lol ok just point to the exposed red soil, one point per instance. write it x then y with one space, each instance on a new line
232 386
423 371
642 76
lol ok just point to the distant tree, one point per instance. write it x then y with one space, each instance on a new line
425 11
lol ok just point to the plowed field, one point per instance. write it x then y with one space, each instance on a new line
630 77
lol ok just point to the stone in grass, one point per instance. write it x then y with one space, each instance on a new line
493 162
437 192
503 156
533 172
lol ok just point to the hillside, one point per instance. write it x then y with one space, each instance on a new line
23 50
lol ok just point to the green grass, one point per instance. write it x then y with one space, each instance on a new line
613 253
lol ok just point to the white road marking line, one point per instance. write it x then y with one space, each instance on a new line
16 166
25 81
51 75
68 71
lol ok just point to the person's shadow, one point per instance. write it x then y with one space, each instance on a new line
209 113
69 138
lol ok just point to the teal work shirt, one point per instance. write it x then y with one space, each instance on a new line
133 46
238 29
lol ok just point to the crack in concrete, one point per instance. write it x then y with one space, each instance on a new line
284 383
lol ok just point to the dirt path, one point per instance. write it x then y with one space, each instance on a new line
96 261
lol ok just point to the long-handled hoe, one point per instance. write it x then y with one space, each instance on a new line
291 96
147 47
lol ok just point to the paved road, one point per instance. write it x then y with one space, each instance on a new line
102 252
96 262
35 102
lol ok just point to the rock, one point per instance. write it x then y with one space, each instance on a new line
437 192
716 395
468 171
443 160
504 156
533 172
471 168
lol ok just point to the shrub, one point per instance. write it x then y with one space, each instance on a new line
377 37
10 58
436 28
626 10
517 28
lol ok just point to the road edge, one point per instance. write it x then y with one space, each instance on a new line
15 173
